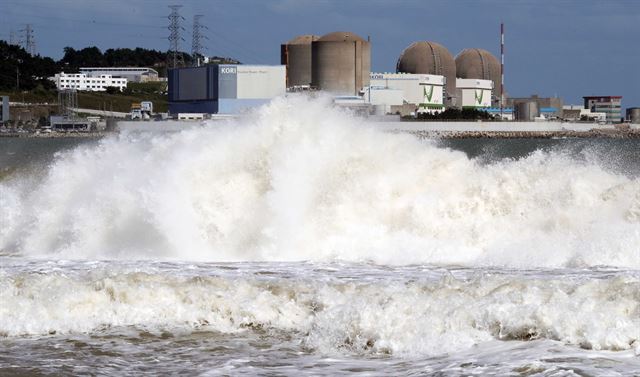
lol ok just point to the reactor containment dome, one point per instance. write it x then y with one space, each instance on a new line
476 63
429 58
296 56
341 63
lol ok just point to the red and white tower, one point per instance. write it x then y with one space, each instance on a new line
501 68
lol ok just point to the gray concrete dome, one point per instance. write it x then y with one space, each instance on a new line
303 39
476 63
429 58
341 36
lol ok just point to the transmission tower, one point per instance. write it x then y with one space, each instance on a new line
28 40
198 37
12 37
174 57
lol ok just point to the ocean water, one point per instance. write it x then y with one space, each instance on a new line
302 240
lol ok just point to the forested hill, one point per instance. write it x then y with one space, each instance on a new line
33 71
120 57
17 67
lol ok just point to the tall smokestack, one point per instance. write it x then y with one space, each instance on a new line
501 68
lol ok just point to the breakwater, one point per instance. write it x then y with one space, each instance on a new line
614 134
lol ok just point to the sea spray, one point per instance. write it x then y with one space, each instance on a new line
299 180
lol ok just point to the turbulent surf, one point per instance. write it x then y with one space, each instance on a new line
311 234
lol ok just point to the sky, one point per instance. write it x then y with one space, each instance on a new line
565 48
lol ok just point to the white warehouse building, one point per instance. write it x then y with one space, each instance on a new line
424 91
474 93
81 81
132 74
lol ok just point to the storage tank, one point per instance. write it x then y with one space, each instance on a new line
526 110
429 58
296 55
476 63
633 114
340 63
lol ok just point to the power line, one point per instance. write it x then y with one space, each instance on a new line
85 21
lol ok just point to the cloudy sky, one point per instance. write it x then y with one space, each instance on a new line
568 48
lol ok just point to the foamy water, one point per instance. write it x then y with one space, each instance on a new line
300 237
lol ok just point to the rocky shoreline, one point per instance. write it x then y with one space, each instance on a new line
609 134
620 133
56 135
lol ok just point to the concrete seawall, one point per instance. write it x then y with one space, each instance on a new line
506 130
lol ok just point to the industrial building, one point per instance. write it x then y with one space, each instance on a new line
579 113
132 74
64 123
433 59
474 93
81 81
424 91
340 63
611 105
225 88
633 114
550 107
476 63
296 56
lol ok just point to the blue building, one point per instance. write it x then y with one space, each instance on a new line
224 89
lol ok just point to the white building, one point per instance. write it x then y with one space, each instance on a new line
132 74
474 93
426 92
381 99
590 115
81 81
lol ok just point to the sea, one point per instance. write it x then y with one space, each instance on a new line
300 239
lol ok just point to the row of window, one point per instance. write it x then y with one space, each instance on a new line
115 82
72 86
115 69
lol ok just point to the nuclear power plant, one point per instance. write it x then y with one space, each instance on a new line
427 79
340 63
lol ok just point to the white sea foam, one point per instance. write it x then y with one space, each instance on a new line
402 317
298 180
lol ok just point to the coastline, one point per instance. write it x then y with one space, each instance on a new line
431 130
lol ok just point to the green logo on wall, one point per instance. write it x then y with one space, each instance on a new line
479 97
430 94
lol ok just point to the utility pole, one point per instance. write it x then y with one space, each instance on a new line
196 42
174 57
28 39
18 77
